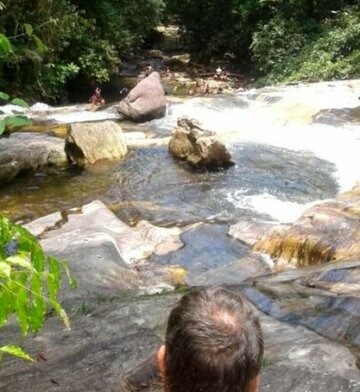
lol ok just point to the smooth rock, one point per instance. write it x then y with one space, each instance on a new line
40 225
115 341
328 231
145 101
324 298
197 146
90 142
102 250
25 151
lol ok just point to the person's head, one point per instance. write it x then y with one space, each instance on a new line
213 344
98 90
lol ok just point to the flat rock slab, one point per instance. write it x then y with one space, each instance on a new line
225 261
102 250
325 299
25 151
108 344
43 113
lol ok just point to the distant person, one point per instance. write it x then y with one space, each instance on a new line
218 72
123 92
148 70
167 72
96 98
223 75
213 344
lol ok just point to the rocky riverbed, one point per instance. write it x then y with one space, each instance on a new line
132 271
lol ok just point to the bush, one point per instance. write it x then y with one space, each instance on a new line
333 53
278 40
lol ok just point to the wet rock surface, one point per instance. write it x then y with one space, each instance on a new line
117 341
310 316
329 231
24 151
107 256
224 262
325 299
197 146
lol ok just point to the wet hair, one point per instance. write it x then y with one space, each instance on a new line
214 343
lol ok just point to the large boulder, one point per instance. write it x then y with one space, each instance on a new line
145 101
197 146
90 142
25 151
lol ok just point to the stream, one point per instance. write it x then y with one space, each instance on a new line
293 146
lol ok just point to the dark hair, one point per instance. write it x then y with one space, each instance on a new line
213 343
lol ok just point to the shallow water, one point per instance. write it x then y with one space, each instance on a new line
149 184
287 157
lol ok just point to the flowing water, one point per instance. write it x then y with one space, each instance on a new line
293 146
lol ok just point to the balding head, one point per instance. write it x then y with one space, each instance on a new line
213 343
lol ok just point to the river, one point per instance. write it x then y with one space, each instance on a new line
292 145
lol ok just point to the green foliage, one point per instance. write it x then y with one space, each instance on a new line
99 62
46 43
278 39
15 119
5 46
218 30
29 282
333 53
15 351
54 77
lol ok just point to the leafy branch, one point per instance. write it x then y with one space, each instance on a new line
14 119
29 283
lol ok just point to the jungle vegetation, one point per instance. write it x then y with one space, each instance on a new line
45 44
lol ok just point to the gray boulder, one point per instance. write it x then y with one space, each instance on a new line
89 142
145 101
197 146
29 151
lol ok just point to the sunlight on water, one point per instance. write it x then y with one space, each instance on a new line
282 211
288 118
260 122
74 113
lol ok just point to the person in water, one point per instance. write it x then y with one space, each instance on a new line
96 98
213 343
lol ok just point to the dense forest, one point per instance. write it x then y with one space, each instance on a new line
45 44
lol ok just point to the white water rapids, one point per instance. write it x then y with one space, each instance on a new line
286 118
